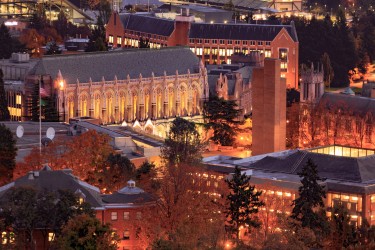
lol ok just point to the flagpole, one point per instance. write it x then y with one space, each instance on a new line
40 119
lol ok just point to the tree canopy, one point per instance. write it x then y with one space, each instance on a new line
86 232
222 116
310 200
8 153
25 209
243 203
4 112
183 144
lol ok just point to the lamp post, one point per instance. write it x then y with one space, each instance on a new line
62 89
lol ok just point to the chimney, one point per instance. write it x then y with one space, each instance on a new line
30 175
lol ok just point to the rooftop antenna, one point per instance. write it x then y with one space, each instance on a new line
50 133
20 131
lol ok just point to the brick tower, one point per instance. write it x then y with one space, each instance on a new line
269 108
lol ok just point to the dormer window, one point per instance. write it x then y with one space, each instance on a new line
80 195
131 184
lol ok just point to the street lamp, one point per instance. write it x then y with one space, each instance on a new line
62 88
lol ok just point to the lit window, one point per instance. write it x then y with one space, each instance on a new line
126 215
18 99
113 215
126 234
51 236
283 54
110 39
81 200
119 40
139 215
4 238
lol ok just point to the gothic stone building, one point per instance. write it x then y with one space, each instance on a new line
141 87
214 43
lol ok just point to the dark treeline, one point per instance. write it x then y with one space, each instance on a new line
348 45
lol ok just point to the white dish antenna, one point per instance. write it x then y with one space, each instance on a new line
20 131
50 133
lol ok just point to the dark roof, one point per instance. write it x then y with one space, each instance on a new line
357 104
120 198
52 181
147 24
239 31
348 169
118 63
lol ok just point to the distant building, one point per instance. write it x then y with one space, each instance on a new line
312 85
214 43
201 13
120 209
347 174
368 89
76 44
232 82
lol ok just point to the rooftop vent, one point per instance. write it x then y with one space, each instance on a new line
20 57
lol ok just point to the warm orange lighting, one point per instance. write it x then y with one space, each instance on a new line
61 84
227 245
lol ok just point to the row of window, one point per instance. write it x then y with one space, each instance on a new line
126 215
145 35
132 42
227 52
225 41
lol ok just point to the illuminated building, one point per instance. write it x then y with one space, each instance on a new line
144 88
21 9
122 209
214 43
347 173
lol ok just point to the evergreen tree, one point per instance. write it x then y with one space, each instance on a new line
310 198
222 116
343 234
243 203
52 48
8 153
328 70
34 103
5 42
49 109
183 144
97 38
144 43
4 111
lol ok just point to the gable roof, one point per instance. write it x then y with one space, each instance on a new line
128 195
254 32
357 104
358 170
147 24
97 65
53 181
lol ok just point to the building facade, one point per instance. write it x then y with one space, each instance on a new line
346 173
214 43
133 86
